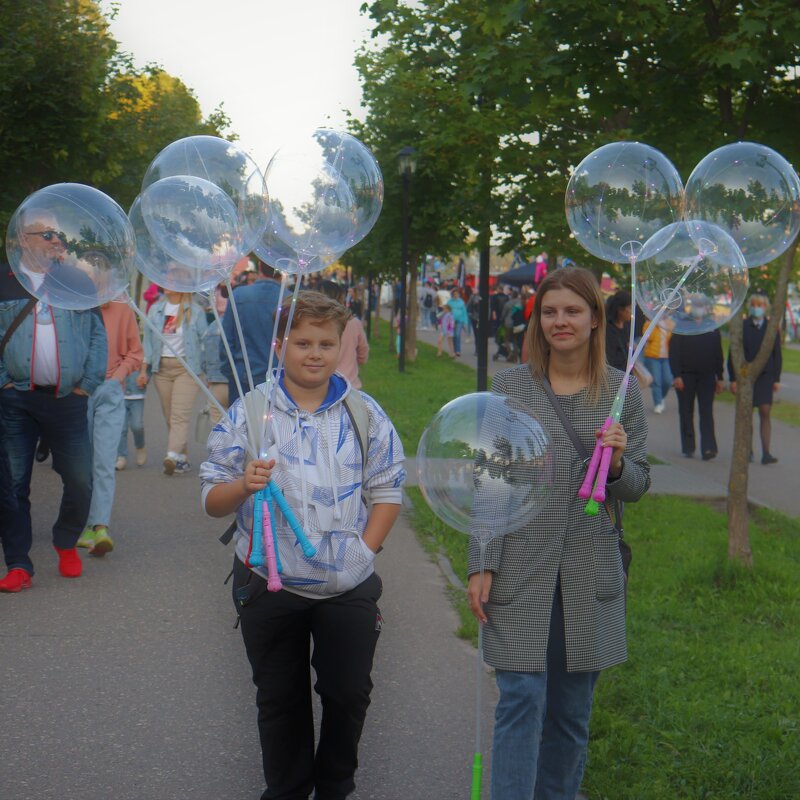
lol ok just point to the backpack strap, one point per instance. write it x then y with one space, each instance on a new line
17 321
358 412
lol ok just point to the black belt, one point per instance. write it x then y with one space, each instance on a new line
45 389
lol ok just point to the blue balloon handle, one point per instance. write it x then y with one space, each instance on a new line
308 549
256 557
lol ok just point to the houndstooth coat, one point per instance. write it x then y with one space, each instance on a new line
563 540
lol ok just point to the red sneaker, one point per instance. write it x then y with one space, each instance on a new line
16 580
69 562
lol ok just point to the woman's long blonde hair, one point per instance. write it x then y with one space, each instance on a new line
585 285
184 307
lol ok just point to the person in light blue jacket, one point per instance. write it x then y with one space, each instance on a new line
181 324
51 360
460 318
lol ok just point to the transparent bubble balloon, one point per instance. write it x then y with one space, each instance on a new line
162 268
281 256
193 220
325 193
619 196
696 273
485 465
71 246
753 193
226 166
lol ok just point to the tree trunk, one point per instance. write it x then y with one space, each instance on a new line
746 374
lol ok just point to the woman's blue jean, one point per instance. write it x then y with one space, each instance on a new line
134 419
662 377
541 732
459 326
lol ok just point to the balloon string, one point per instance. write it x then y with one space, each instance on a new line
264 428
238 326
250 433
201 384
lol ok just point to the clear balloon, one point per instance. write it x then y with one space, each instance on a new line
71 246
485 465
696 272
162 268
619 196
753 193
194 221
325 193
226 166
279 255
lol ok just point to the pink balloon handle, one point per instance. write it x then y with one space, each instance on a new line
599 493
274 583
585 492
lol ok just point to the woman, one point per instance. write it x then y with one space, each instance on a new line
656 359
182 324
618 329
460 319
354 348
769 381
552 599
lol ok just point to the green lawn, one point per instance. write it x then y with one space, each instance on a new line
782 410
708 705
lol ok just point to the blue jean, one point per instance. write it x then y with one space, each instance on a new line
457 328
662 377
62 423
134 419
541 732
106 416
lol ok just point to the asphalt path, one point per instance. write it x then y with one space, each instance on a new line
131 682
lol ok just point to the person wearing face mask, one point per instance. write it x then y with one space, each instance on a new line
696 361
769 380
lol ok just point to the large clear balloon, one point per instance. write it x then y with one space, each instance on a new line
194 221
281 256
226 166
71 246
162 268
696 273
619 196
753 193
325 193
485 465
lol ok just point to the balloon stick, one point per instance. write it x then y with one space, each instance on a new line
308 549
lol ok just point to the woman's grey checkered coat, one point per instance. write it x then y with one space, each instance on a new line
563 541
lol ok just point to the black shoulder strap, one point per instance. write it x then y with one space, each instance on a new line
26 309
577 443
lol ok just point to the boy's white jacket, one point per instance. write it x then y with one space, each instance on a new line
319 470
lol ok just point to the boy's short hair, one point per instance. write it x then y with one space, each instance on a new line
316 308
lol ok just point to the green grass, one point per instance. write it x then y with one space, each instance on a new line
708 705
791 360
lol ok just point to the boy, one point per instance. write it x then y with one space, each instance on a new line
330 598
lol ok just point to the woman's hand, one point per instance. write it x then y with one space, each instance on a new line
478 593
615 438
141 379
257 474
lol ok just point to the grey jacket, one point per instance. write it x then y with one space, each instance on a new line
563 541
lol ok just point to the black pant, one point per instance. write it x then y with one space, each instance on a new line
277 628
701 385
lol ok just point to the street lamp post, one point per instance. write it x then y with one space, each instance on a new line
406 164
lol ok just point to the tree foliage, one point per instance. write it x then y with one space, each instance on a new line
74 109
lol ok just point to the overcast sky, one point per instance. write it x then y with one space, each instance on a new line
280 67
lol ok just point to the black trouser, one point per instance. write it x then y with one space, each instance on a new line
277 628
701 385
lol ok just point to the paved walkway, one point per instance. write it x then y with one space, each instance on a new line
131 683
775 486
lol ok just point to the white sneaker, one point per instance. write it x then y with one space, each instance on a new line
659 409
170 463
141 456
122 462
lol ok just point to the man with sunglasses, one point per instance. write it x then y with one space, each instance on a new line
50 363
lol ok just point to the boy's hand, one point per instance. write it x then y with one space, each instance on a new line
257 474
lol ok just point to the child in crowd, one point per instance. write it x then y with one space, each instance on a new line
446 325
315 457
134 420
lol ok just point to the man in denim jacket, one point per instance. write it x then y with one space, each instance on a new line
50 365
